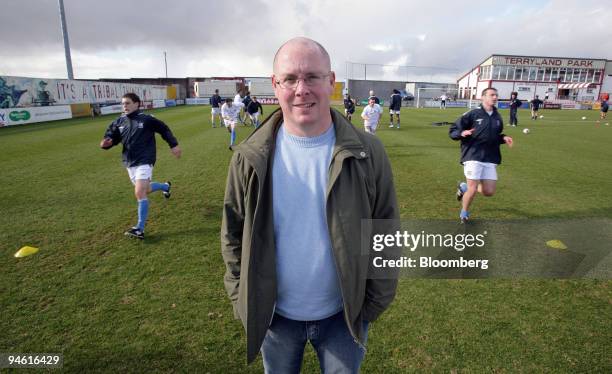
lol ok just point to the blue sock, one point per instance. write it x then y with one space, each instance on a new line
156 186
233 137
143 212
464 213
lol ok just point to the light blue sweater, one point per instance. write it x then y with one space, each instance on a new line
308 287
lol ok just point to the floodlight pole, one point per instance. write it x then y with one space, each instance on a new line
346 71
65 35
166 64
346 78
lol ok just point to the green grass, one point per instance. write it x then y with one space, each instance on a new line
116 305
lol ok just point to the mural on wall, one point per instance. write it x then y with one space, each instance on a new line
9 96
29 92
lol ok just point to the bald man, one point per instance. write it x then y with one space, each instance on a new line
297 190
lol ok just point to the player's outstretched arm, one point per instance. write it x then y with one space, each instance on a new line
112 136
364 115
508 140
176 151
461 128
106 143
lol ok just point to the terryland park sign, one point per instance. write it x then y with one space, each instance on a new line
549 62
26 92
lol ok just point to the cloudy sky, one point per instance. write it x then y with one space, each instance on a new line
127 38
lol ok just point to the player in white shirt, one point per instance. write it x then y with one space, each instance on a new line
238 102
371 115
230 113
443 99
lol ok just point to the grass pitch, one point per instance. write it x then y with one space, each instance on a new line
111 304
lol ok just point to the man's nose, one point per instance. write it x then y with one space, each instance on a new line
301 88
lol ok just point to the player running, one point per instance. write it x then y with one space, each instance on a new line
480 133
349 106
371 115
535 107
215 111
136 131
230 113
604 109
253 109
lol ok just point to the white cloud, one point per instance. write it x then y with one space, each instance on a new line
216 38
381 47
392 70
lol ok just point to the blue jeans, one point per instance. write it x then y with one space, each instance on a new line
283 346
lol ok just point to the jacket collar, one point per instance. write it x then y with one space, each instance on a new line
134 114
259 146
483 109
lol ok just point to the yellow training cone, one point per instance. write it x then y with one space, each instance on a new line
556 244
26 251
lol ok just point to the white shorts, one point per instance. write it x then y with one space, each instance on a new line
254 116
216 111
140 172
477 170
373 126
394 111
229 123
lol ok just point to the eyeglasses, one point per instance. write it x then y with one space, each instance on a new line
311 80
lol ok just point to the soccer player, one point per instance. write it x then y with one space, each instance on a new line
394 108
480 133
246 101
371 114
136 131
443 99
349 106
604 109
230 113
372 96
535 106
254 108
215 111
238 103
514 104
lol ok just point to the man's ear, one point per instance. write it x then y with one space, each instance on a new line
332 82
332 78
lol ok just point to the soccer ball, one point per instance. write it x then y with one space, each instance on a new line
541 116
583 118
525 131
